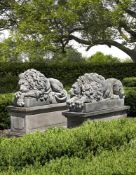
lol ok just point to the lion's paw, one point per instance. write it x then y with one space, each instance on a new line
18 94
20 103
79 104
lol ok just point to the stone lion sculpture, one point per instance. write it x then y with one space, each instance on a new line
34 85
91 88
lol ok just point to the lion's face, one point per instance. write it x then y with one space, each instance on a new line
118 89
33 80
24 85
75 90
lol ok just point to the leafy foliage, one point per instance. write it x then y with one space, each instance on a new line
5 100
90 139
129 81
67 73
10 50
100 58
39 26
7 20
70 55
130 100
108 162
115 162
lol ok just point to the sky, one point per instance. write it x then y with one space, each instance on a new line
101 48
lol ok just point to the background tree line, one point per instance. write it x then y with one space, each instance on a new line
45 27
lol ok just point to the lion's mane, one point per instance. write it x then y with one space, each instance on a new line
35 79
91 86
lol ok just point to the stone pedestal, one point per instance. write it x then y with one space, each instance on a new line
26 120
104 110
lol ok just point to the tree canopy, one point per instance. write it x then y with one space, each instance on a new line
100 58
71 55
49 25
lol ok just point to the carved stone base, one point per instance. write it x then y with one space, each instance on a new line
104 104
26 120
31 102
75 119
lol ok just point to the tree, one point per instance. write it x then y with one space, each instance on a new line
8 51
107 22
71 55
33 31
7 18
11 50
100 58
14 50
52 24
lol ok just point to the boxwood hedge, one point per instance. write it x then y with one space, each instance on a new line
66 73
130 100
92 139
5 100
120 162
129 81
116 162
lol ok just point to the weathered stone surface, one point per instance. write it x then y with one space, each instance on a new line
25 120
104 104
93 88
92 97
75 119
36 90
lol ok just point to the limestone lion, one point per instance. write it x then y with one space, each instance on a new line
113 88
92 87
34 84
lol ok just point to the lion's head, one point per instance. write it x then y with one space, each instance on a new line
118 88
32 80
89 85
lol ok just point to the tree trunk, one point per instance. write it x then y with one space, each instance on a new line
132 54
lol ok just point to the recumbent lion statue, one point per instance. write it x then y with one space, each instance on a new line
91 88
34 84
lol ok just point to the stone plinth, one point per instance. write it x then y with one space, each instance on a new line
25 120
101 105
104 110
31 102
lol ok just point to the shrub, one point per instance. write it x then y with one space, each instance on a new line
101 58
121 162
8 83
129 81
130 100
67 73
5 100
91 138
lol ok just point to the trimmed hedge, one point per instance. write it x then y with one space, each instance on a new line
8 83
130 100
66 73
129 81
91 138
5 100
121 162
